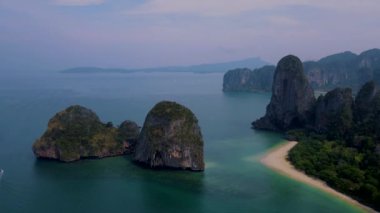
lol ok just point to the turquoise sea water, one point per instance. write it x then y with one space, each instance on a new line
234 180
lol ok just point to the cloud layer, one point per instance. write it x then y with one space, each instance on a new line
228 7
78 2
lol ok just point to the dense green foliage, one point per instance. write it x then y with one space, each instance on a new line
172 111
348 169
168 114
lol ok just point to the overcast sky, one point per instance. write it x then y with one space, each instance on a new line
56 34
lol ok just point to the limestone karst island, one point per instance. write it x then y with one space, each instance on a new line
170 138
77 132
337 133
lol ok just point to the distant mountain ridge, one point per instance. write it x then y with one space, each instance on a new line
201 68
344 69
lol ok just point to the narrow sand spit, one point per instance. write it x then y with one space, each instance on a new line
276 159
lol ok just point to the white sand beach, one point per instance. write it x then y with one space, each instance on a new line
276 159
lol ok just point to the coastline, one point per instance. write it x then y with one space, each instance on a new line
276 159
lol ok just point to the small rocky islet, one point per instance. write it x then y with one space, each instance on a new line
77 132
171 138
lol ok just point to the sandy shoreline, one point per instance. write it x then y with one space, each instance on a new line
276 160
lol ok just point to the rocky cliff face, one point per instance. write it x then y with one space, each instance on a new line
339 70
170 138
364 101
237 80
368 65
76 133
247 80
292 98
128 134
334 113
331 71
367 110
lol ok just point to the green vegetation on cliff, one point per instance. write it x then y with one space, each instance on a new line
77 132
172 111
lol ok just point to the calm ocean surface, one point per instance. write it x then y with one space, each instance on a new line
234 180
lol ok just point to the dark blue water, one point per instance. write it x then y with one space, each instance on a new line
234 180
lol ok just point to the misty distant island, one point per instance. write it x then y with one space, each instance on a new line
202 68
344 69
